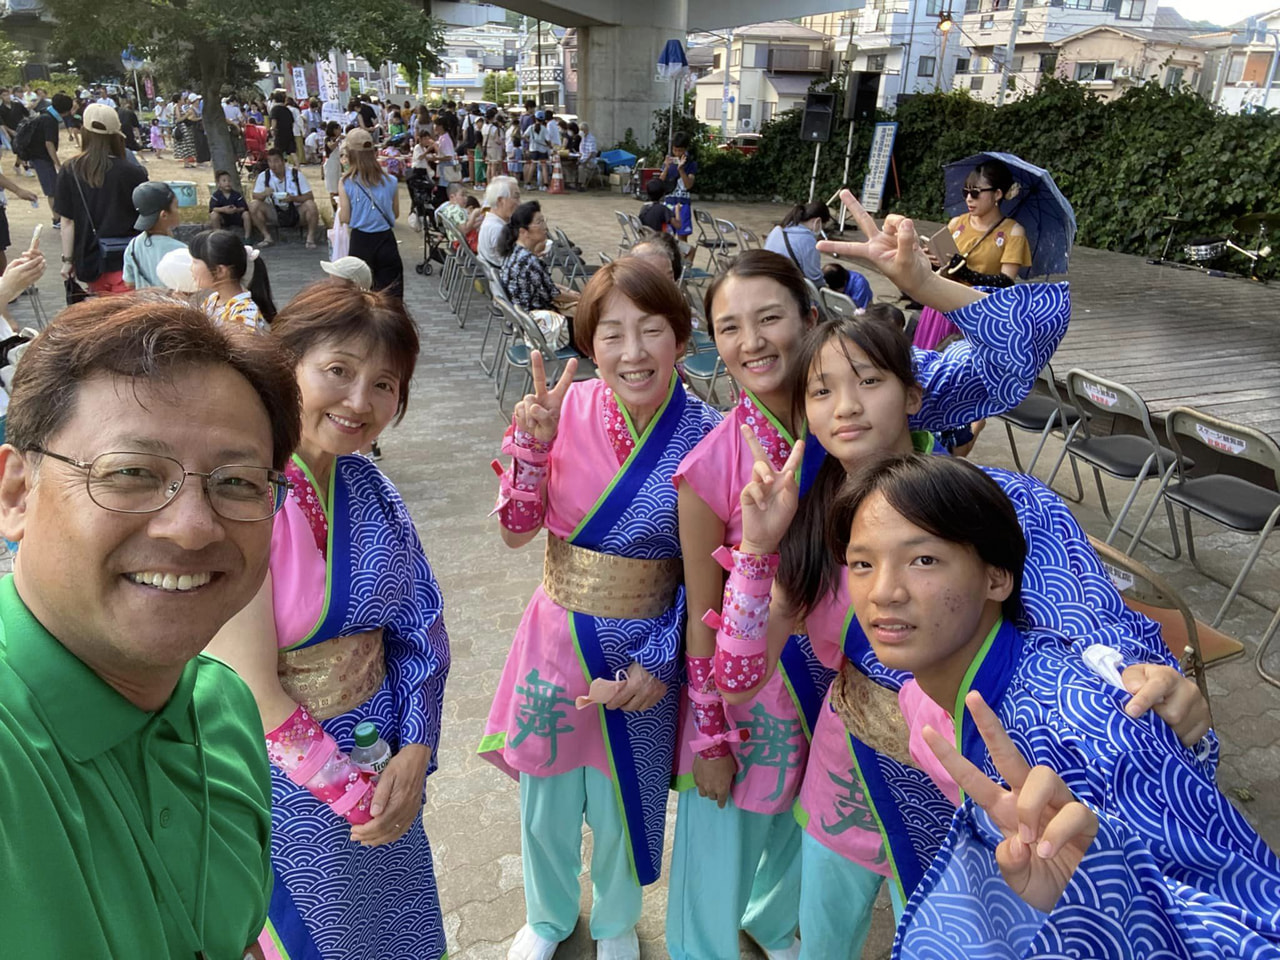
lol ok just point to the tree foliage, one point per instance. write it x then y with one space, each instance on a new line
211 32
497 83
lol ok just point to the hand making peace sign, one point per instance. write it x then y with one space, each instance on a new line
538 413
769 501
893 249
1047 831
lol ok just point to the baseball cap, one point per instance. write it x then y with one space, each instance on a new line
100 118
151 199
349 268
359 139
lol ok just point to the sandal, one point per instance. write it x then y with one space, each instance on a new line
265 242
311 245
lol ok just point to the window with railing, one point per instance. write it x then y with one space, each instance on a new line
1048 63
926 66
962 65
1095 71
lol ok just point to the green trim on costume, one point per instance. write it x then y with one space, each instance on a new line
492 741
967 683
884 836
626 465
682 782
326 505
608 747
795 701
801 814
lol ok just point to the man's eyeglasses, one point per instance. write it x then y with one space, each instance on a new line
148 482
974 193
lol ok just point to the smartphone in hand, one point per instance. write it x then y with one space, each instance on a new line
35 238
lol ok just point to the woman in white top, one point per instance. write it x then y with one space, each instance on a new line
446 156
539 149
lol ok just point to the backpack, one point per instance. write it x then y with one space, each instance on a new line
472 137
27 137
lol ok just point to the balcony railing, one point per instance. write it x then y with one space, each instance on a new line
797 61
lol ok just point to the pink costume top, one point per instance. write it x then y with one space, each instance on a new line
771 763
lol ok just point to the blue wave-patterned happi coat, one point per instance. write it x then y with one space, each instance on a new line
335 899
1175 871
1069 601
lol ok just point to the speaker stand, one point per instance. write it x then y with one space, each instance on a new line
813 177
844 177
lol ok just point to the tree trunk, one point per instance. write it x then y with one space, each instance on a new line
213 71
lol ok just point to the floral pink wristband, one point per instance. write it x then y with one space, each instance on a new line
741 626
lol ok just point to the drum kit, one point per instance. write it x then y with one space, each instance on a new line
1206 253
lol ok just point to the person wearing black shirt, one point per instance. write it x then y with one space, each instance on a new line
94 196
368 116
282 125
129 125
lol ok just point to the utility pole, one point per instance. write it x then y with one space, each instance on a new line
1008 54
724 98
907 79
944 25
539 49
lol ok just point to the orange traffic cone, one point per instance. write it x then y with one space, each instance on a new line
557 177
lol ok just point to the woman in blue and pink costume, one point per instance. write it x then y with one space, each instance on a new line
736 859
347 628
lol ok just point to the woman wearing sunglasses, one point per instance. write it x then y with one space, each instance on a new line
990 243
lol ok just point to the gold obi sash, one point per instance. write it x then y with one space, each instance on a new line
335 676
871 713
604 585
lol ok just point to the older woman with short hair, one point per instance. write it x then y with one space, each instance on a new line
593 462
347 629
501 198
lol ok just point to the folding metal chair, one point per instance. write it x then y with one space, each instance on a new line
815 299
750 239
1043 413
529 338
628 239
491 284
1136 458
709 237
728 232
836 304
1229 501
1149 593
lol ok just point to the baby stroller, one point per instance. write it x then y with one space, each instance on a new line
423 201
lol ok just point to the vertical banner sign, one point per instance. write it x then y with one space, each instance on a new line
878 166
299 83
149 85
328 77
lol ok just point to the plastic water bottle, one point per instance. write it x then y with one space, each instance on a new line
371 752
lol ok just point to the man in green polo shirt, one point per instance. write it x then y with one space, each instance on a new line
139 479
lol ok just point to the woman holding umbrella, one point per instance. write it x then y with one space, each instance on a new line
993 246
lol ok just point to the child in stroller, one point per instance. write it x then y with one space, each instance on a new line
424 196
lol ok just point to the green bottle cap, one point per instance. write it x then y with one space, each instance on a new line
366 734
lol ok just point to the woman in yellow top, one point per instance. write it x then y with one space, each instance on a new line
990 243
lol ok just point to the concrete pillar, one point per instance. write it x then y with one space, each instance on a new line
617 66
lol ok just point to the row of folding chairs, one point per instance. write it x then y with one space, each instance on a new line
1136 454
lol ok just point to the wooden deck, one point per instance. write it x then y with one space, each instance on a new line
1177 337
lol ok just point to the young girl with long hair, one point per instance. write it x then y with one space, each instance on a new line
369 200
855 383
241 289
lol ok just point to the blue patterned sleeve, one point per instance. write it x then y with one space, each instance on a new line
417 648
656 647
1009 335
1118 904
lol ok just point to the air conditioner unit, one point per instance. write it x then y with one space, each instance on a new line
744 124
1124 72
1245 83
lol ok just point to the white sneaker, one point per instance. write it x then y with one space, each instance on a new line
790 952
624 947
529 946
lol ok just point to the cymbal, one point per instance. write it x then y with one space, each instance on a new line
1258 222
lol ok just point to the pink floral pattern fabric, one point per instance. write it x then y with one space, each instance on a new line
615 426
708 708
311 758
741 625
521 505
305 496
775 444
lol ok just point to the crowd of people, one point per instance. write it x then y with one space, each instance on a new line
859 662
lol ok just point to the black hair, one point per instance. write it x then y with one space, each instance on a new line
668 245
61 102
808 570
521 218
836 276
762 263
682 139
276 152
656 189
947 497
219 174
222 248
995 172
806 211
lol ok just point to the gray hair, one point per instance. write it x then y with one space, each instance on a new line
500 188
455 189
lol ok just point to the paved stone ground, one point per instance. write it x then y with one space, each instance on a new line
439 459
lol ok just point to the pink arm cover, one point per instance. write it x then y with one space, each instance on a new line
715 732
522 488
311 759
741 626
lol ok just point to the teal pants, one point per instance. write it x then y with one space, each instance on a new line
731 869
551 814
836 897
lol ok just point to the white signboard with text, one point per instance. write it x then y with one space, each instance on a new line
878 166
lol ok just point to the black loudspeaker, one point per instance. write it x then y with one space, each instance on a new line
861 93
31 72
819 110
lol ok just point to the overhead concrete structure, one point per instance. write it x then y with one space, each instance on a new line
619 42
